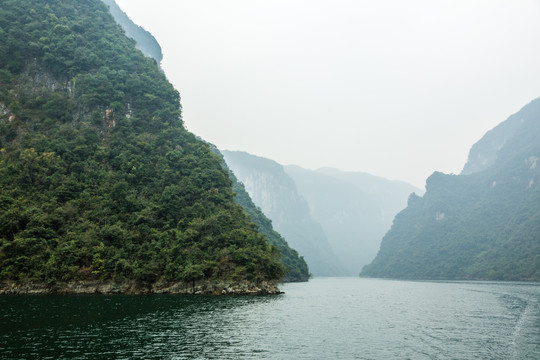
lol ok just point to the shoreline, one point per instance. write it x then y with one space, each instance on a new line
134 288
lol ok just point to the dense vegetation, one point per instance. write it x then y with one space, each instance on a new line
483 225
99 179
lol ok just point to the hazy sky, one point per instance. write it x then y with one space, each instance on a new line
394 88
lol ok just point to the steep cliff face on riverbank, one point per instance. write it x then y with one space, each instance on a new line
99 179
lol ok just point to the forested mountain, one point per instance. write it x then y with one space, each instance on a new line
297 269
355 209
275 193
144 41
482 224
99 180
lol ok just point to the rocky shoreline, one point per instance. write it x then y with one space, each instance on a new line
132 287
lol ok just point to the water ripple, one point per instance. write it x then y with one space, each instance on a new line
343 318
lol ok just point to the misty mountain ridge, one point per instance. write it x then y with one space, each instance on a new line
355 209
275 193
297 268
352 209
482 224
144 40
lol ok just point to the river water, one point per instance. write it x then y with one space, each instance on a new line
326 318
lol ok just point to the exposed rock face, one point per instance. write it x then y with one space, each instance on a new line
3 110
44 79
130 287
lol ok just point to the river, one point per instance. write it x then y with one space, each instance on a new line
326 318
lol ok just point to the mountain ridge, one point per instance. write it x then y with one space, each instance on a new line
275 193
483 224
352 210
145 40
355 209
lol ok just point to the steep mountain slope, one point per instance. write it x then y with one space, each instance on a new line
99 180
355 209
275 193
143 39
483 224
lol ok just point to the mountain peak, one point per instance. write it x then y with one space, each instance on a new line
486 151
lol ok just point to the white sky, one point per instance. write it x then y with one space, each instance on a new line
394 88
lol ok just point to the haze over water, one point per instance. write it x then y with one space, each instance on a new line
343 318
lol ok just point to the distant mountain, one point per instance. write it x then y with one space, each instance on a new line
355 209
506 135
297 268
145 41
275 193
482 224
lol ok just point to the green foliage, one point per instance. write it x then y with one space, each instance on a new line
484 225
98 177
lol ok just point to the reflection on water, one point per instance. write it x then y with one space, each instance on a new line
345 318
